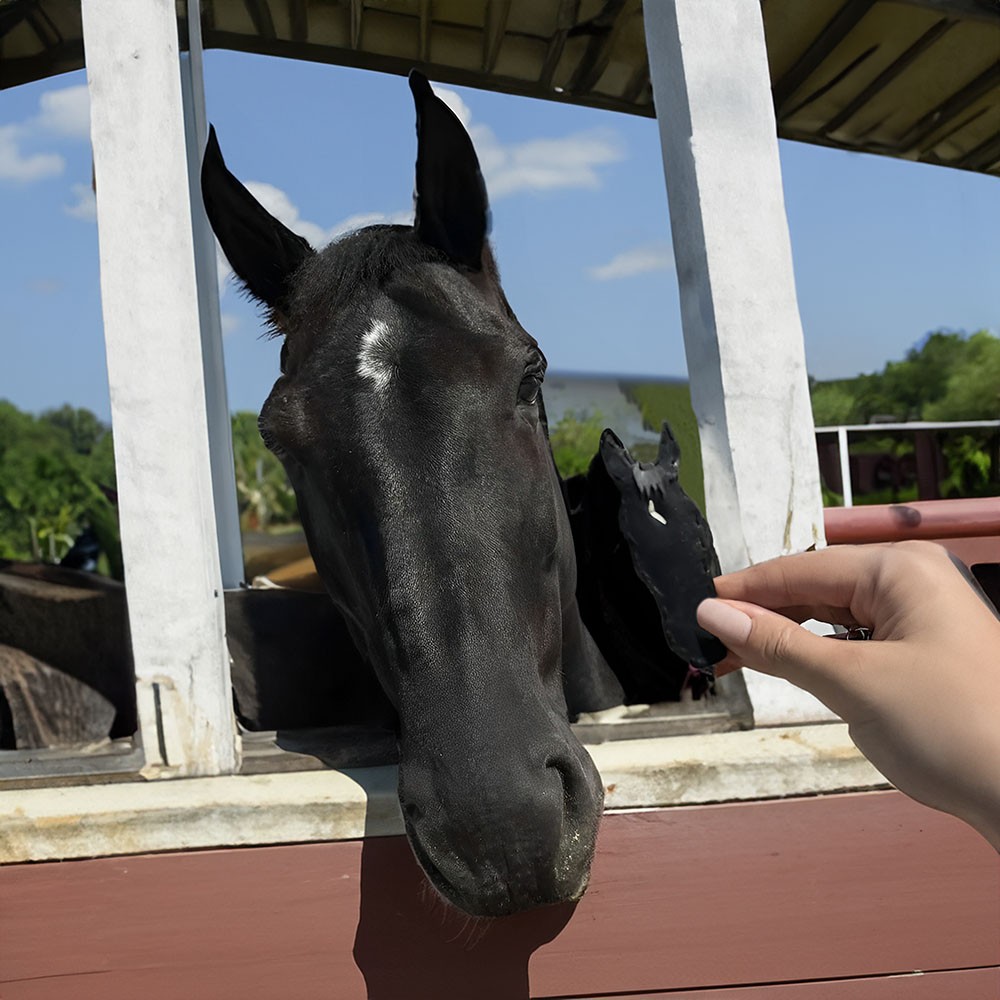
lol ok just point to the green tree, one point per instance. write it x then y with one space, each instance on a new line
833 403
949 376
575 440
82 429
972 388
264 494
54 471
908 386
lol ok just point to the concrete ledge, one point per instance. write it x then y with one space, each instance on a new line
137 818
733 767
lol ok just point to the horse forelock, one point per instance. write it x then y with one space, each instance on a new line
358 264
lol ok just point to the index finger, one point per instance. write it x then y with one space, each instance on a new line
814 582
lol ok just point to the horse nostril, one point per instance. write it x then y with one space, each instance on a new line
413 812
566 775
583 791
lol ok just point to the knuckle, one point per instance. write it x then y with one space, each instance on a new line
776 645
917 560
917 549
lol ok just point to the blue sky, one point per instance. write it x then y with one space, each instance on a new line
885 251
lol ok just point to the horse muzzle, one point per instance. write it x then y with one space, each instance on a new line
496 836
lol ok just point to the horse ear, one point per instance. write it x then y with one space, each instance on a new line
452 209
617 461
670 451
263 252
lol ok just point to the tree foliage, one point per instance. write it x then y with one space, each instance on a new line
575 440
264 494
949 376
57 478
832 404
57 472
972 388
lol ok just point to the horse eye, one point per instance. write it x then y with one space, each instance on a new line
283 357
527 393
531 381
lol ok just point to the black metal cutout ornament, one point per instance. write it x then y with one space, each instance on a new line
670 543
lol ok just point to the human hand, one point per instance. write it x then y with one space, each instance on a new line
921 698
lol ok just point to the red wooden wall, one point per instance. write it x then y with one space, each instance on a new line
821 899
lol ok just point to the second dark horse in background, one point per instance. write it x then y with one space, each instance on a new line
408 416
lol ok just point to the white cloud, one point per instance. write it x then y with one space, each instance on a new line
284 210
26 167
455 102
65 111
278 203
404 217
548 164
571 161
638 260
85 206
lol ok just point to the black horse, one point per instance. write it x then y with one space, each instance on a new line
408 417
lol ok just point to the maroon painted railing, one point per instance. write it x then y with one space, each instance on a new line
928 519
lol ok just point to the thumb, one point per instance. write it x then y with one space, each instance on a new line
775 645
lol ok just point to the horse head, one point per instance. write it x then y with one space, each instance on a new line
409 418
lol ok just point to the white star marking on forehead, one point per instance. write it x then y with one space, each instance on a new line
371 361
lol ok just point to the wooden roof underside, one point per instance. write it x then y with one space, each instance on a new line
916 79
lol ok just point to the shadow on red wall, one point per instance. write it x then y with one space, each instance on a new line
411 943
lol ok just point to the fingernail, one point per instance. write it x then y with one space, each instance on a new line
729 625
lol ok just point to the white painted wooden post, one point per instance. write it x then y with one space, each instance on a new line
742 332
151 320
220 433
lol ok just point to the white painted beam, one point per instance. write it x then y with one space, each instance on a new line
742 331
151 323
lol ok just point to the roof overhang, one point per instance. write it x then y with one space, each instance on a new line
915 79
